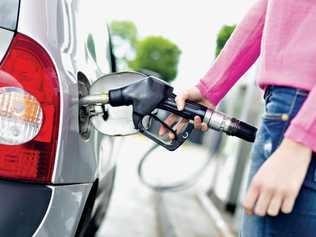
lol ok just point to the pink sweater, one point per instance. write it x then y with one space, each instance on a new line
283 34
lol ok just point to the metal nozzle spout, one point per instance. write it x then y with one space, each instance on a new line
95 99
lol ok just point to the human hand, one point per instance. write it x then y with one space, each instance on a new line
192 94
277 183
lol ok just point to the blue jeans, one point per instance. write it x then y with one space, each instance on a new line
281 105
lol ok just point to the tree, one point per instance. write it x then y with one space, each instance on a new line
126 30
124 36
157 54
223 36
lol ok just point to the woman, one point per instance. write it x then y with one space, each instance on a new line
281 197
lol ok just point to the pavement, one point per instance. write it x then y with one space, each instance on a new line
136 210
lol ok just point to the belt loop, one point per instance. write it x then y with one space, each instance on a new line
302 92
267 92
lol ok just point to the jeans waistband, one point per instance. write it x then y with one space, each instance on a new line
284 89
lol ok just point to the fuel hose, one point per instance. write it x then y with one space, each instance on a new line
175 187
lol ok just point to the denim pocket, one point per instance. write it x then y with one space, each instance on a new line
273 127
281 106
275 119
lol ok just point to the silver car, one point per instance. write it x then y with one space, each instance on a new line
56 172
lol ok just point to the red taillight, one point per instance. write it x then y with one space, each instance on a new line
28 66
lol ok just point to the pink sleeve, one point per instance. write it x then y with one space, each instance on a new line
239 53
303 127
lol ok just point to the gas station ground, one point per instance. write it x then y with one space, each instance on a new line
136 210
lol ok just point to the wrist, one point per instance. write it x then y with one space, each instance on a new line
296 147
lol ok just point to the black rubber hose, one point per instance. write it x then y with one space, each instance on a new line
179 186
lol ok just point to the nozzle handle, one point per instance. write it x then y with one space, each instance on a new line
190 110
172 145
215 120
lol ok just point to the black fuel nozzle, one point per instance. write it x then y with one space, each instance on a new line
145 96
151 93
214 119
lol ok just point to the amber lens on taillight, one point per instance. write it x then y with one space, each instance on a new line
21 116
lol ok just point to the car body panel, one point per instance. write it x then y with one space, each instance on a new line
72 36
64 33
64 210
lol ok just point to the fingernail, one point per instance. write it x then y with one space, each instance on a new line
180 107
171 136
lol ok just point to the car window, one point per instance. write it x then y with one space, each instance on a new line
91 47
91 21
9 13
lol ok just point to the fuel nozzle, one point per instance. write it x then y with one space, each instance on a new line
95 99
231 126
151 93
214 119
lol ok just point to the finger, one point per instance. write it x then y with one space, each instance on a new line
171 135
197 122
170 120
250 199
263 203
204 127
162 130
180 100
288 204
275 205
181 125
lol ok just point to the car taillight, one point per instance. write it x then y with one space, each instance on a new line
29 112
20 116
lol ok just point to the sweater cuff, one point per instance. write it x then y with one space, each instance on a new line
302 136
212 98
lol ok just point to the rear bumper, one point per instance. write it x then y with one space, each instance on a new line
39 210
23 206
